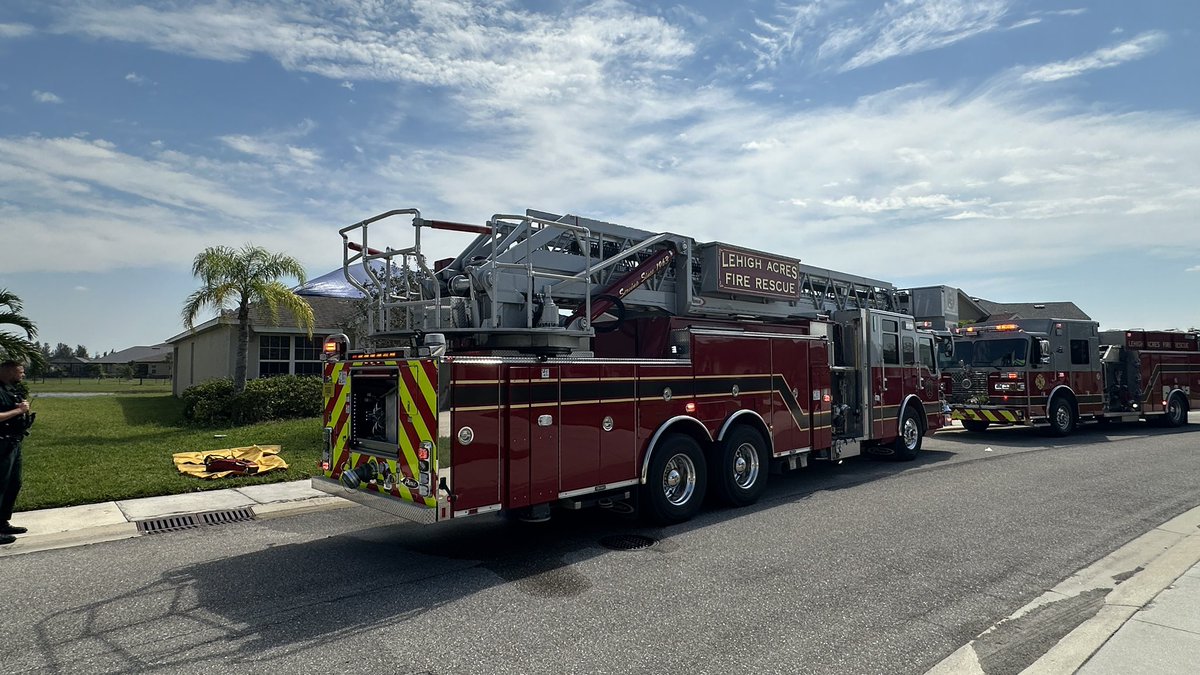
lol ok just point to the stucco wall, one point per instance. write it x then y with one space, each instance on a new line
204 356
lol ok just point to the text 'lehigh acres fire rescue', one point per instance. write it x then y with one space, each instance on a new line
750 273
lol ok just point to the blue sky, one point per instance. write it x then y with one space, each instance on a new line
1021 150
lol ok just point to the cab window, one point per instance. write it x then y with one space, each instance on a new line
925 352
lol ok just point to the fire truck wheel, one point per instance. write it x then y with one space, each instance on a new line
975 425
742 467
1176 414
1062 417
678 478
908 443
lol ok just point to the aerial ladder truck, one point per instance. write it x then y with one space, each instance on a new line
565 362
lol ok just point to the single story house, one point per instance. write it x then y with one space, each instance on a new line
68 366
1011 311
209 350
147 361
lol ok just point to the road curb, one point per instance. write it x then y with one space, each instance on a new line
1132 577
33 543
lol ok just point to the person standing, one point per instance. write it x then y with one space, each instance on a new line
14 424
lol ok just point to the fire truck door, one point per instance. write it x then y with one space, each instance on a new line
533 427
888 375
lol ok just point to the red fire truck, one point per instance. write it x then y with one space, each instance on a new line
565 362
1056 373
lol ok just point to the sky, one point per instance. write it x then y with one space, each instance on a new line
1023 150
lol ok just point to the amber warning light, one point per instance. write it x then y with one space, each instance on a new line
334 347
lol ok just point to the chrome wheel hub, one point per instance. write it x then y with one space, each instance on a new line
679 479
745 466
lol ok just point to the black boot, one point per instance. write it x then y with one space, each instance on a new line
6 529
6 539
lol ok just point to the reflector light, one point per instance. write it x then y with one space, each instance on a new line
330 346
690 407
827 398
324 466
422 454
1012 376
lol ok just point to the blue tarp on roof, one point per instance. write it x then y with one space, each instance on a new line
334 284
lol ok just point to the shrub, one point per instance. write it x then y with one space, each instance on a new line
270 398
208 402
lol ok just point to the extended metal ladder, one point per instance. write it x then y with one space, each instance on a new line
544 277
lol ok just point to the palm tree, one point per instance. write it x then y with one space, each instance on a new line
246 277
13 346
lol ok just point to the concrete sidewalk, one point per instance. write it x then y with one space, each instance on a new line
109 521
1162 637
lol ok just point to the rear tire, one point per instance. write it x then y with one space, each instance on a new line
1062 417
676 482
742 467
975 425
1176 414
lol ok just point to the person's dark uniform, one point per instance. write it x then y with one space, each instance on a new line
12 431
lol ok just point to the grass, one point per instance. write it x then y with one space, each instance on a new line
94 385
95 449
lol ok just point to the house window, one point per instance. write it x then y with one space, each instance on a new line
287 355
274 355
308 356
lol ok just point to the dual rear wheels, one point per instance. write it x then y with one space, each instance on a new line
679 477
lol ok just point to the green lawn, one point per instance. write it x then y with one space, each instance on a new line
100 448
74 384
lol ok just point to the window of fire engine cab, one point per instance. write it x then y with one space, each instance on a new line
1001 352
1080 354
910 351
925 349
891 342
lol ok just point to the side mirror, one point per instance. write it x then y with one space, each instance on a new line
1043 350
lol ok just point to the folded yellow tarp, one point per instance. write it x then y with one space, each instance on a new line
265 456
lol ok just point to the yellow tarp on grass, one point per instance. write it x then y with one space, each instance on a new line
265 456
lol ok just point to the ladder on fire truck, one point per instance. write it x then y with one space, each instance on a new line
545 282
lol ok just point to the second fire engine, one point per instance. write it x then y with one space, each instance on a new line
1056 373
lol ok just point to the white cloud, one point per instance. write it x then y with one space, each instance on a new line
347 85
489 48
15 30
82 289
1025 22
134 78
904 28
45 97
1193 269
80 166
1109 57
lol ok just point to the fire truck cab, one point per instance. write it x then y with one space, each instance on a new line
1056 373
564 362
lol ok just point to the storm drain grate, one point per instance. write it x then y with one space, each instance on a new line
193 520
627 542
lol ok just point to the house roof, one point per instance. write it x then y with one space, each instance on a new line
69 359
1003 311
329 314
141 353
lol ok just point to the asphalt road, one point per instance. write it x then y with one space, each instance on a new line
867 567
